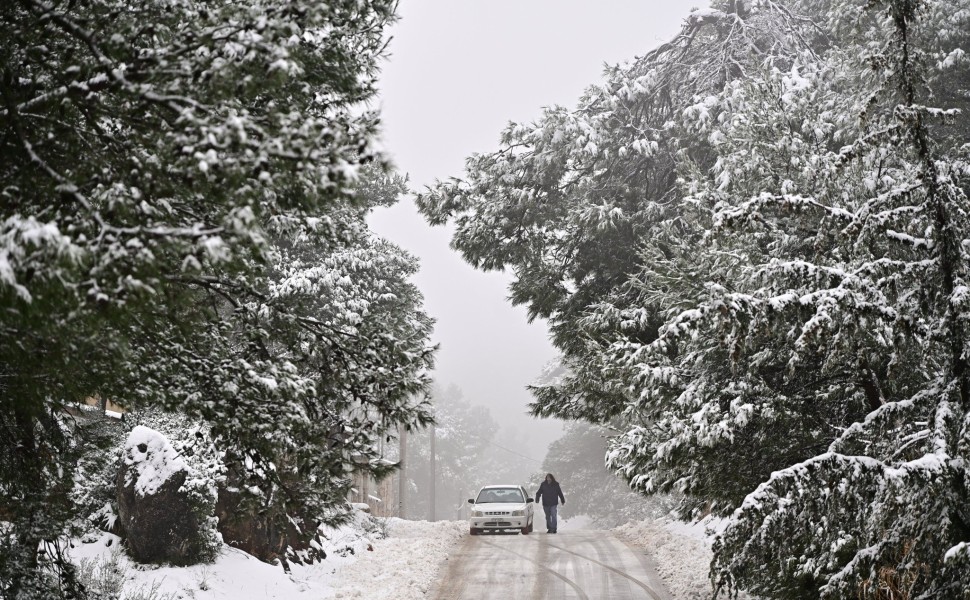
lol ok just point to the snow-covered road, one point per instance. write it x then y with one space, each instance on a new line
584 564
417 560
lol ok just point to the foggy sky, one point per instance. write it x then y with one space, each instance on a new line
459 71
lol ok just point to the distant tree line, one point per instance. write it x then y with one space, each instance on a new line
576 460
470 451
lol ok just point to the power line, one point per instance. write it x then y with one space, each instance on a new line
515 453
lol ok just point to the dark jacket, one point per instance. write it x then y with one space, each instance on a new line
550 493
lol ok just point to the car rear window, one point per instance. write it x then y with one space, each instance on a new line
500 495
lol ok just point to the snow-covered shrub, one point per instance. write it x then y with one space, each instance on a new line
100 442
103 577
98 439
149 592
376 527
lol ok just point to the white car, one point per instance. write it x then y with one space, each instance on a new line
499 507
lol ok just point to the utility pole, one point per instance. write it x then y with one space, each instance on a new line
380 487
402 484
432 511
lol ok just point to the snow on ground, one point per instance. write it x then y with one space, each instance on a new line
404 565
573 522
233 575
366 566
682 553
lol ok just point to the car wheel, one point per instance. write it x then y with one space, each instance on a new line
525 530
531 523
474 531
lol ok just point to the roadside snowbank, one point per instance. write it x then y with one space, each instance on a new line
404 565
682 553
358 565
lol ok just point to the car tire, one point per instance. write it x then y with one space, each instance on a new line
525 530
474 531
531 523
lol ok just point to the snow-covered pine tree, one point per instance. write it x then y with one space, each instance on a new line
883 508
784 333
342 318
181 226
566 201
594 490
582 202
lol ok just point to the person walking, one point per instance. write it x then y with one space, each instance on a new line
551 494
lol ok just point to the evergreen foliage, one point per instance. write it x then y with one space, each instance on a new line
577 459
751 247
182 208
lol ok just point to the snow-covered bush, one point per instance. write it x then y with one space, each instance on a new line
99 440
103 577
191 441
101 443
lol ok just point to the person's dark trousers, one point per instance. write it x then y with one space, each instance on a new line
551 522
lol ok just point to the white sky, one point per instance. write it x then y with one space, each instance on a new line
459 71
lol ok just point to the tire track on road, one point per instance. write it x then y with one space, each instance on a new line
541 582
452 585
552 572
646 587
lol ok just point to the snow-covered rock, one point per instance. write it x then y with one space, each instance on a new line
149 461
155 511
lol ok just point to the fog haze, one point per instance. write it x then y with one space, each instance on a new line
458 72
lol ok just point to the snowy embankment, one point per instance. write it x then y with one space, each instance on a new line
682 553
401 565
405 564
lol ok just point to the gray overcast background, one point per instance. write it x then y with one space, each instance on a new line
459 71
